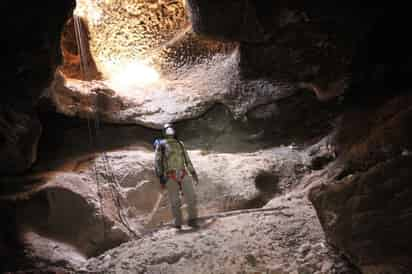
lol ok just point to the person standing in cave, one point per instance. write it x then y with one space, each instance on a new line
172 165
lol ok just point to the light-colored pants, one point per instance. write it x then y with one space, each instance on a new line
175 202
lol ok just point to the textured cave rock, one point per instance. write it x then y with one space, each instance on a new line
31 56
308 45
303 56
299 119
365 206
312 51
368 216
255 22
67 210
85 99
230 20
150 32
19 137
196 90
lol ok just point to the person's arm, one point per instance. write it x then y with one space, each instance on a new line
189 164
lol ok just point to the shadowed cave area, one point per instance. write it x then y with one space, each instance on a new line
296 117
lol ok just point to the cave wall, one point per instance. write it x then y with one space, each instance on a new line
330 48
31 52
31 37
365 206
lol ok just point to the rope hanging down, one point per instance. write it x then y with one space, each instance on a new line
113 183
93 142
79 34
99 192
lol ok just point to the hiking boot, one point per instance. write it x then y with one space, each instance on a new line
193 223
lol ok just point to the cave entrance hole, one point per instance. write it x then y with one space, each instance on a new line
135 46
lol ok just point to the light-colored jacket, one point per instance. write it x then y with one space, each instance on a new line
171 155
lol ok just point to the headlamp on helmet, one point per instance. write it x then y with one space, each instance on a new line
168 130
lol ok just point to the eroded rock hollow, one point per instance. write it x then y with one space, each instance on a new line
296 117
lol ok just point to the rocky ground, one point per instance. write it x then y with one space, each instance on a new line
286 238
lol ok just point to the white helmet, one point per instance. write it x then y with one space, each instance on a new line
168 130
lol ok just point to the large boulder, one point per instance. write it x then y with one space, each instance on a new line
69 209
364 204
368 216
